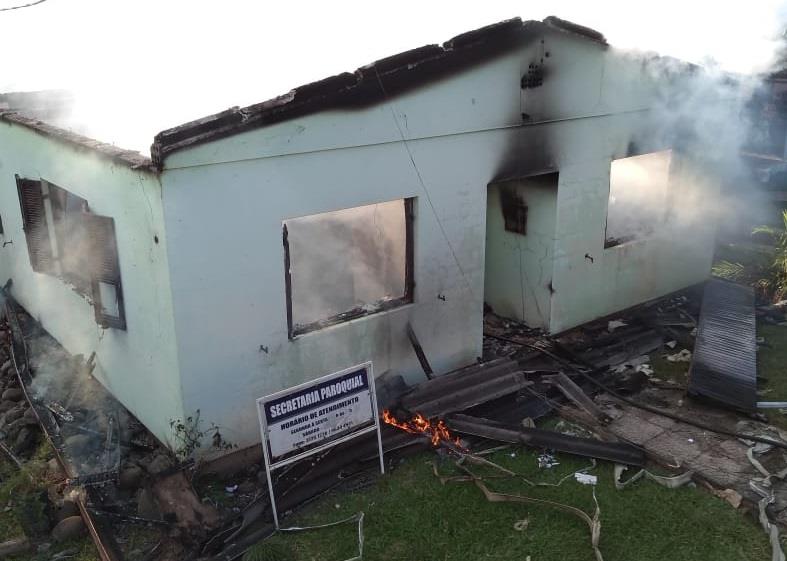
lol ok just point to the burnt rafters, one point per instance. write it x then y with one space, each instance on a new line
369 84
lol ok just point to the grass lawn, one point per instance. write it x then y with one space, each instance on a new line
411 516
772 365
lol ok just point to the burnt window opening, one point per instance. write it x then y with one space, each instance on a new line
638 197
70 237
104 265
514 212
347 264
65 240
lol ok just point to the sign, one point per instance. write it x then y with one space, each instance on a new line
303 418
312 417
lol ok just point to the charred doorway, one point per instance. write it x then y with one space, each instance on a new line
520 235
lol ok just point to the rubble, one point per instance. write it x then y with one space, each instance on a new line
526 375
98 445
550 440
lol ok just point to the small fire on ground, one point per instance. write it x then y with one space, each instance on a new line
436 431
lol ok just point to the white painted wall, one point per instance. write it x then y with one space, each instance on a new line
519 267
139 366
224 203
204 302
676 255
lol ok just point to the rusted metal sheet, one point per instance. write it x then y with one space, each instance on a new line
724 365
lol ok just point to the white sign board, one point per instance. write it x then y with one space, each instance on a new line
301 421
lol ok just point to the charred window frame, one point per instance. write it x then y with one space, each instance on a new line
650 212
514 211
67 241
407 297
106 285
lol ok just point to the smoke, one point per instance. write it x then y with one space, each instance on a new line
704 114
638 195
138 68
347 259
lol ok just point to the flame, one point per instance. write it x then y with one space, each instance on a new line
437 432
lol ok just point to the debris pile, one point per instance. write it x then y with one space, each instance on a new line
604 378
136 494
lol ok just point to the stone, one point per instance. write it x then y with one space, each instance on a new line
13 394
130 477
247 487
15 426
6 367
6 405
30 415
68 509
13 415
25 440
68 528
15 547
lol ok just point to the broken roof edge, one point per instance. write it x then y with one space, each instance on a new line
129 158
364 86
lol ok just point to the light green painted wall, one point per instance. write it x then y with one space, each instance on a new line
139 366
519 267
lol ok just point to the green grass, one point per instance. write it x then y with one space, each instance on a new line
772 365
411 516
663 369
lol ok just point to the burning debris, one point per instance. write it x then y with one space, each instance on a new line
436 431
128 481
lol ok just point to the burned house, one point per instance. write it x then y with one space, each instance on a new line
518 165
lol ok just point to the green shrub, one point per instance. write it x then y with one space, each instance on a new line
765 269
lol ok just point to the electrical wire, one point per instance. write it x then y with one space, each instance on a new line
423 184
649 408
22 6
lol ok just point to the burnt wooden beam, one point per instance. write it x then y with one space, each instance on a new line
621 453
577 396
419 352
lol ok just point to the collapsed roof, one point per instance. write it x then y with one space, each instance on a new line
369 84
366 85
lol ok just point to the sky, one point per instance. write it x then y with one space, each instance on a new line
141 66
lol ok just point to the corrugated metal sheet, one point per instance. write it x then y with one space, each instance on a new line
724 366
